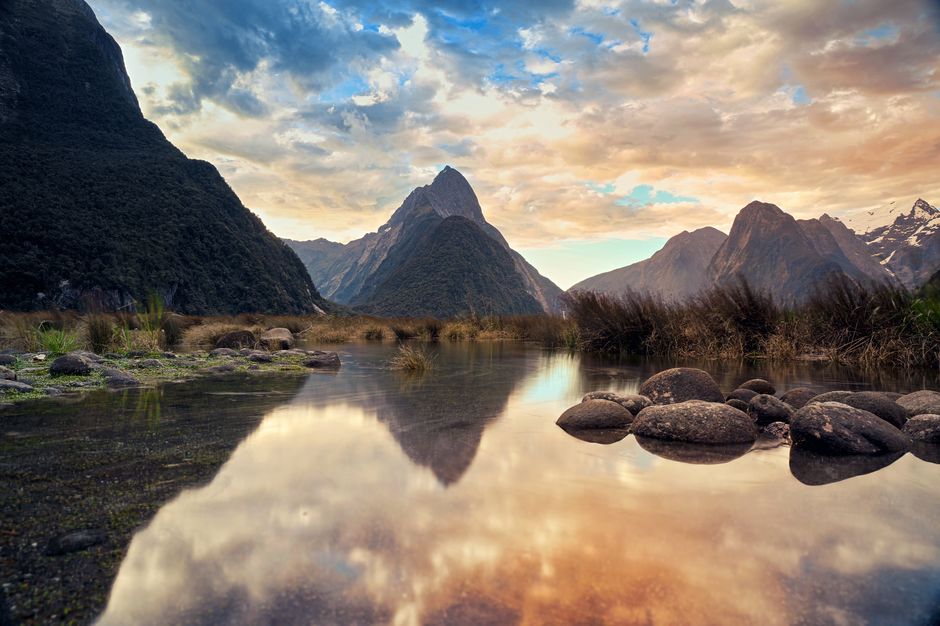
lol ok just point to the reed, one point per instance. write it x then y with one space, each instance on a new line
412 359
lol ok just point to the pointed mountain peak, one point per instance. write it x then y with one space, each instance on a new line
448 195
757 208
922 207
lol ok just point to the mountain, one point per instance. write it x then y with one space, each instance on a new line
773 253
910 245
357 273
675 272
96 204
834 241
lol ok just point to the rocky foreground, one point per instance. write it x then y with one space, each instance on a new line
25 376
682 414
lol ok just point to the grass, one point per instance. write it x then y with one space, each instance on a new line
412 359
844 322
56 340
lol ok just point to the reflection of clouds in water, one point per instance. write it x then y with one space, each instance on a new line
319 517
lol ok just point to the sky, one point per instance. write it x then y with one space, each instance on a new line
590 130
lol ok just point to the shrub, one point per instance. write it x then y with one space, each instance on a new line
56 341
411 359
374 333
100 331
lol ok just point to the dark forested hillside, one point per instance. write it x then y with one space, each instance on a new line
452 268
96 204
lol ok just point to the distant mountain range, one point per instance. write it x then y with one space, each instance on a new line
96 206
437 255
786 257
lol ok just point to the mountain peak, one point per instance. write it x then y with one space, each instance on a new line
922 208
448 194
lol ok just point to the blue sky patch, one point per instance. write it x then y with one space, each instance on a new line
644 195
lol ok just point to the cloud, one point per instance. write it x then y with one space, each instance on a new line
326 114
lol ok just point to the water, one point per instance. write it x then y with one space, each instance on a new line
370 496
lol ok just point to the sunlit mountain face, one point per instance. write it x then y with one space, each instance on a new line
581 124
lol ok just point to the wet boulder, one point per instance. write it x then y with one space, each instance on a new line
799 397
14 386
70 365
773 436
924 427
831 396
115 378
631 402
681 384
6 373
924 402
838 429
277 339
7 359
149 364
744 395
877 404
765 409
224 368
237 339
695 421
223 352
759 386
740 405
595 414
260 357
318 359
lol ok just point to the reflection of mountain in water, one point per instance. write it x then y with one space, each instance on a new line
438 419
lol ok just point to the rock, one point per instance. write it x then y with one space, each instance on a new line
149 363
631 402
118 378
223 352
52 391
695 453
112 356
39 357
70 365
695 422
254 368
603 436
924 402
260 357
169 355
13 386
926 451
224 368
6 373
595 414
277 339
765 409
740 405
680 385
758 386
136 354
91 356
7 359
877 404
292 352
924 427
797 398
75 541
237 339
831 396
777 430
835 429
818 469
892 395
245 351
744 395
321 359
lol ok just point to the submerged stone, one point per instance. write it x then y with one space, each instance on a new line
925 427
799 397
838 429
740 405
118 378
744 395
923 402
595 414
70 365
631 402
758 385
765 409
317 359
877 404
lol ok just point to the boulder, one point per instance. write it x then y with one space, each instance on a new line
595 414
319 359
695 421
777 430
926 451
149 363
237 339
115 378
277 339
815 469
744 395
797 398
75 541
70 365
892 395
765 409
631 402
877 404
13 386
223 352
7 359
831 396
681 384
91 356
924 427
833 428
260 357
694 453
6 373
740 405
924 402
224 368
758 385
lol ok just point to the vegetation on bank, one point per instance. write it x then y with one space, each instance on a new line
843 322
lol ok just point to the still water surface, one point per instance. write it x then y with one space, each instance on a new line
372 497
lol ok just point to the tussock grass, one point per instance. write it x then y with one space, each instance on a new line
412 359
